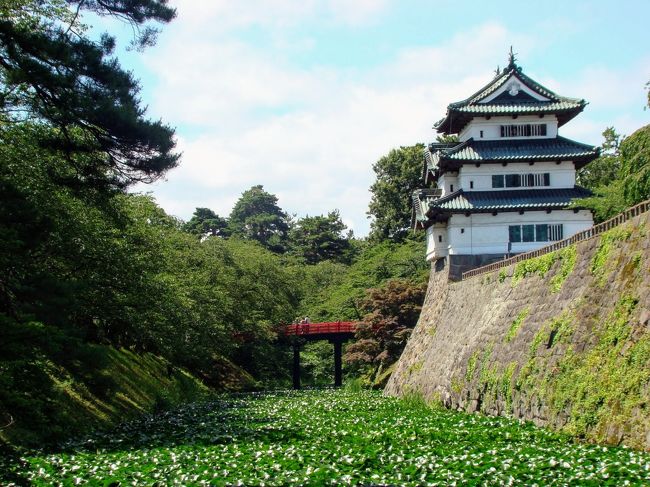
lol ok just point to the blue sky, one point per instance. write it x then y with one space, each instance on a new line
303 96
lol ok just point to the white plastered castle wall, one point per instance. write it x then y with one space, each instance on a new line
449 183
562 175
437 241
485 233
483 129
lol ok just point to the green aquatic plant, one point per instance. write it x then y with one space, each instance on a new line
329 437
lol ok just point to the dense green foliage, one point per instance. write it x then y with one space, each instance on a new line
123 272
602 171
337 437
319 238
257 216
52 74
397 174
620 177
205 222
337 290
635 166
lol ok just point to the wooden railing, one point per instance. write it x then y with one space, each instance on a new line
321 328
578 237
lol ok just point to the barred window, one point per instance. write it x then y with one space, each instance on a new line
555 232
521 180
524 130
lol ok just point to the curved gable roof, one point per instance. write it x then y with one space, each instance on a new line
485 103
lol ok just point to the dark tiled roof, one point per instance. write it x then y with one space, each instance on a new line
558 148
461 112
519 108
521 199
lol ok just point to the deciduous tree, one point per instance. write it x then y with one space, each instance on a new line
392 311
635 166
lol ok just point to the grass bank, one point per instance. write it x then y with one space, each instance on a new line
53 386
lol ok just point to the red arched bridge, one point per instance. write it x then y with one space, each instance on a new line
336 332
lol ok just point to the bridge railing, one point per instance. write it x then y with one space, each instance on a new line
320 328
578 237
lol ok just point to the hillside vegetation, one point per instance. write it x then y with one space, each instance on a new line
97 283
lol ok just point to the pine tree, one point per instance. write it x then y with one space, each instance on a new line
53 74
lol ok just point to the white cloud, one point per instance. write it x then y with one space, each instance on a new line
310 135
218 16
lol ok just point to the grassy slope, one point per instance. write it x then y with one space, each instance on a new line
48 397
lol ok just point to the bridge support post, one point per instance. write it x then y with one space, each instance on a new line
338 368
296 366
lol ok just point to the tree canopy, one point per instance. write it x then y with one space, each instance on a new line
606 168
319 238
620 177
205 222
51 73
397 174
635 166
257 216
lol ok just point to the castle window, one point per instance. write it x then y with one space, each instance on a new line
497 181
515 233
521 180
513 180
523 130
528 233
471 185
535 233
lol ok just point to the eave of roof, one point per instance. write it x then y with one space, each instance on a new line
507 200
519 150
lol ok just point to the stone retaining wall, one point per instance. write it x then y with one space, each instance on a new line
562 340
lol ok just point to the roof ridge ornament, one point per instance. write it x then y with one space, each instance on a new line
512 61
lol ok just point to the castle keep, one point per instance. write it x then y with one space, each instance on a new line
506 185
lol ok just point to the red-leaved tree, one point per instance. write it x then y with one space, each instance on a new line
392 311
